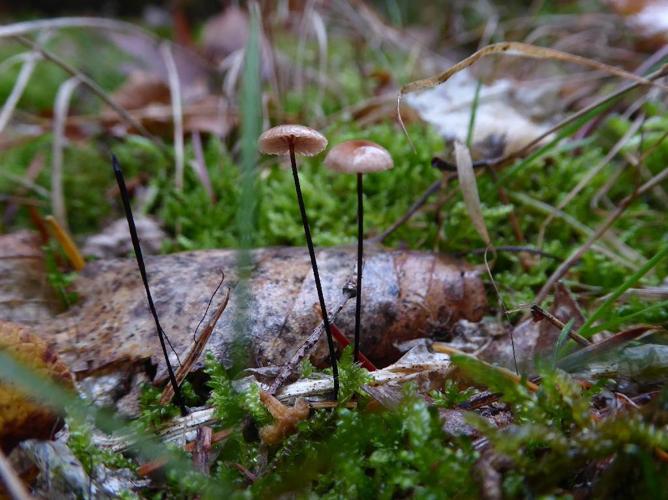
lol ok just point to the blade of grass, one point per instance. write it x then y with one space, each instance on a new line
561 340
177 112
469 187
587 329
66 402
251 127
620 320
474 112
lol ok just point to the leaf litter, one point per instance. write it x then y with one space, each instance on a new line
539 431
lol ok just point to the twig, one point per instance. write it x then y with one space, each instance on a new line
306 347
508 248
91 85
11 480
60 111
195 352
150 467
589 176
177 112
17 29
203 443
434 188
540 313
602 228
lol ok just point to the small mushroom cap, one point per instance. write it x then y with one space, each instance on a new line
358 157
276 141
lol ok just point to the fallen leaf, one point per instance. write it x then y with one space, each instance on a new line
407 295
20 417
469 187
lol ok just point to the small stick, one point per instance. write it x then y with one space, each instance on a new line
92 86
150 467
539 313
11 480
600 230
202 448
195 351
434 188
142 271
65 240
508 248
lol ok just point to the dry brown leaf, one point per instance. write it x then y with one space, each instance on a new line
20 417
521 49
469 187
140 90
407 295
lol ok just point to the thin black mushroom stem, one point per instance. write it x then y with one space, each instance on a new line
178 399
360 260
293 139
359 157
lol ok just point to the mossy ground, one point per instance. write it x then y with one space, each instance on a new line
554 446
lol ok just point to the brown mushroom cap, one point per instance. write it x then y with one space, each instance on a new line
358 157
276 141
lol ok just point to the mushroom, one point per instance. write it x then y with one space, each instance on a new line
358 157
297 139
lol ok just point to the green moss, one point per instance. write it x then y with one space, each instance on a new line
80 441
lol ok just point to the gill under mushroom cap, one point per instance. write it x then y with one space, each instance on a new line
276 140
358 157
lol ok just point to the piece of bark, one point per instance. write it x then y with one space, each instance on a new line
406 295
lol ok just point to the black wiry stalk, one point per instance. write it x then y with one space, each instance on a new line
316 275
142 270
360 256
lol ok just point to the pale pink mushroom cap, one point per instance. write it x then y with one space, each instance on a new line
276 141
358 157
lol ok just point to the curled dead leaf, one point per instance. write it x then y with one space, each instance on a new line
20 417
